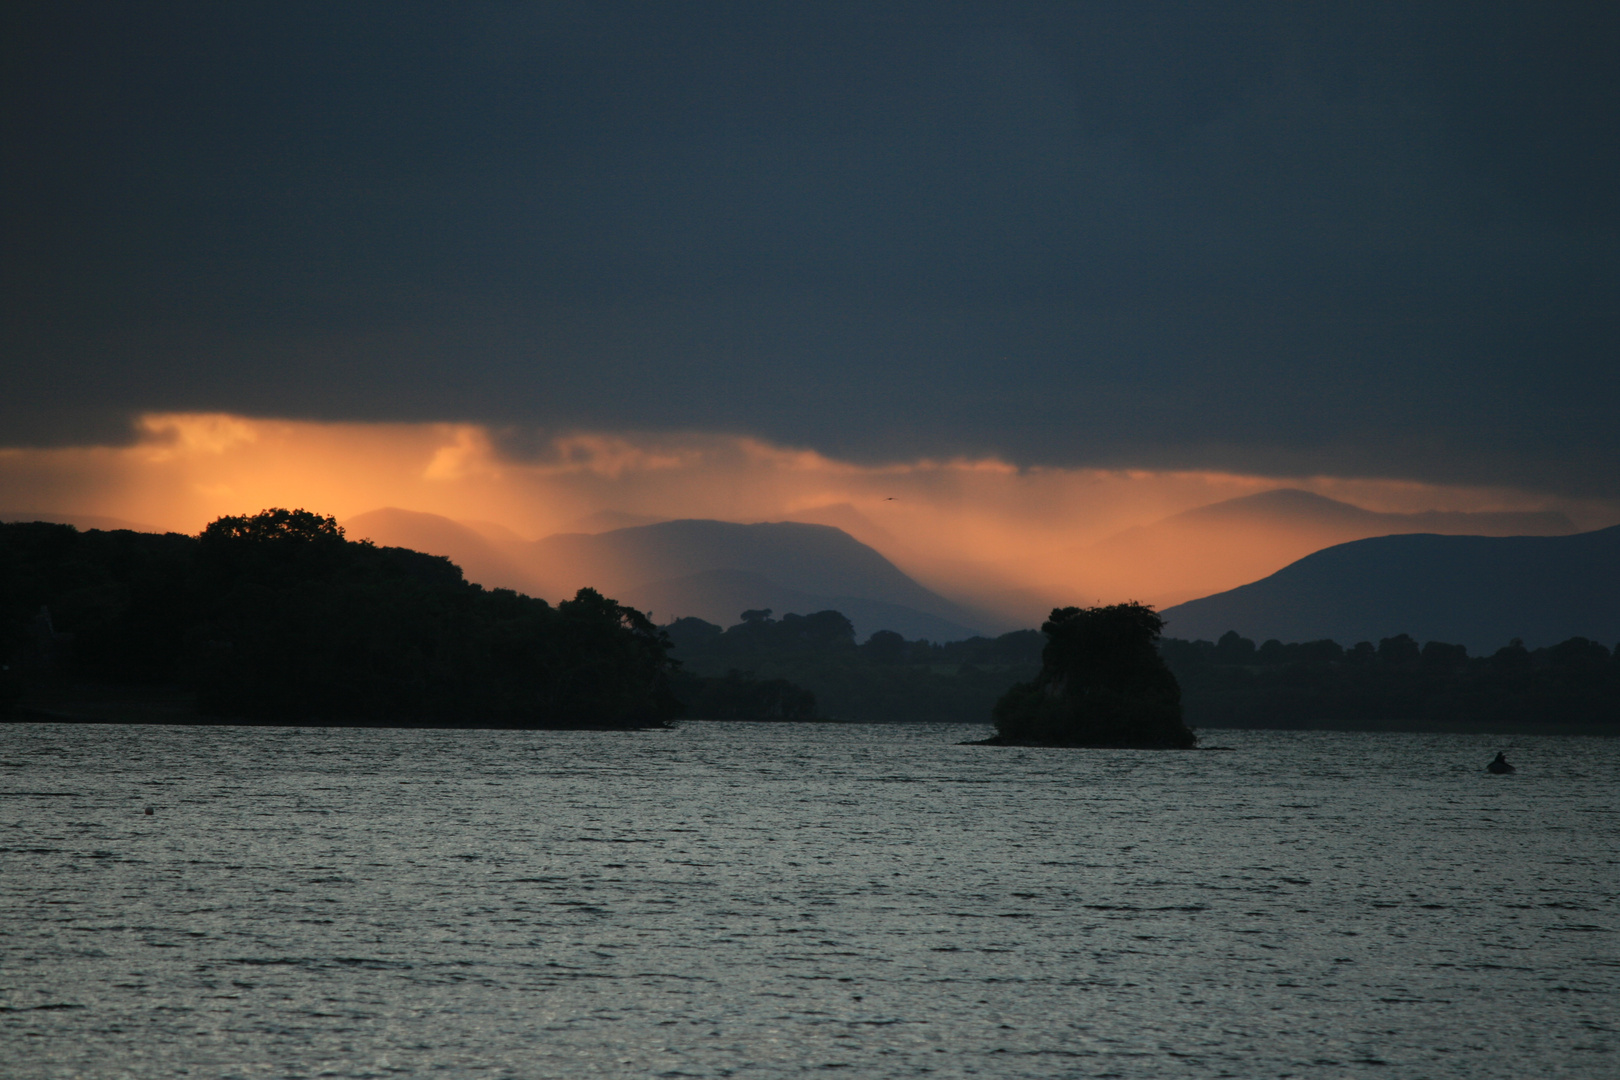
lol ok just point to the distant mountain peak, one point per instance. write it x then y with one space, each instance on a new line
1479 591
1281 501
1224 544
1312 509
601 521
669 564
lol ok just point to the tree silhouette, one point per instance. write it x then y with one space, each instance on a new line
1102 683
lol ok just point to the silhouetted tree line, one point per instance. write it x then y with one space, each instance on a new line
279 618
885 678
1233 683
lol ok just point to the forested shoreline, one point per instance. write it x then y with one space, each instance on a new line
279 618
1396 684
816 670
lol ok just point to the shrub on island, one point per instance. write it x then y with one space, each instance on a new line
1102 684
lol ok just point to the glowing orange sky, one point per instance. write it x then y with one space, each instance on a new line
978 525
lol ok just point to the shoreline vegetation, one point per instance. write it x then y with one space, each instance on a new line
884 679
1572 687
278 619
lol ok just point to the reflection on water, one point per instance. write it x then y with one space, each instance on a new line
773 900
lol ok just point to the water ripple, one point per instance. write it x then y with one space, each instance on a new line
782 900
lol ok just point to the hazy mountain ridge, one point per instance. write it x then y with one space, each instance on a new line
482 556
720 596
665 564
1479 591
815 558
1225 544
711 569
1007 602
1295 505
716 569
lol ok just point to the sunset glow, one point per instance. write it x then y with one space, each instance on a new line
977 527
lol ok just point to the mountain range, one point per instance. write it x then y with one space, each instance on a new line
835 557
1478 591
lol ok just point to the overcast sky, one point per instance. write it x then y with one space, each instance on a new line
1359 240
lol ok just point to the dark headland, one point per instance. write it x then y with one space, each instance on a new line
278 618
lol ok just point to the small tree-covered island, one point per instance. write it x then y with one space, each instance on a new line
1102 683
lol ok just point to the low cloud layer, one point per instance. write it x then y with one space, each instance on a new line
1246 238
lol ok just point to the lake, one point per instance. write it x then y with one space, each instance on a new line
751 900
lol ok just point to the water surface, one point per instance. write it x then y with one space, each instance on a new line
787 900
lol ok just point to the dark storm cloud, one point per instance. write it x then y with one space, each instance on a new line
1377 239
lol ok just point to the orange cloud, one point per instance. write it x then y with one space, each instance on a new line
1012 537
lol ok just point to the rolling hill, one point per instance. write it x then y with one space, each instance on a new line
1228 543
1478 591
706 568
482 558
710 569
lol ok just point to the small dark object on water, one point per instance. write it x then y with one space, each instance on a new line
148 811
1500 765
